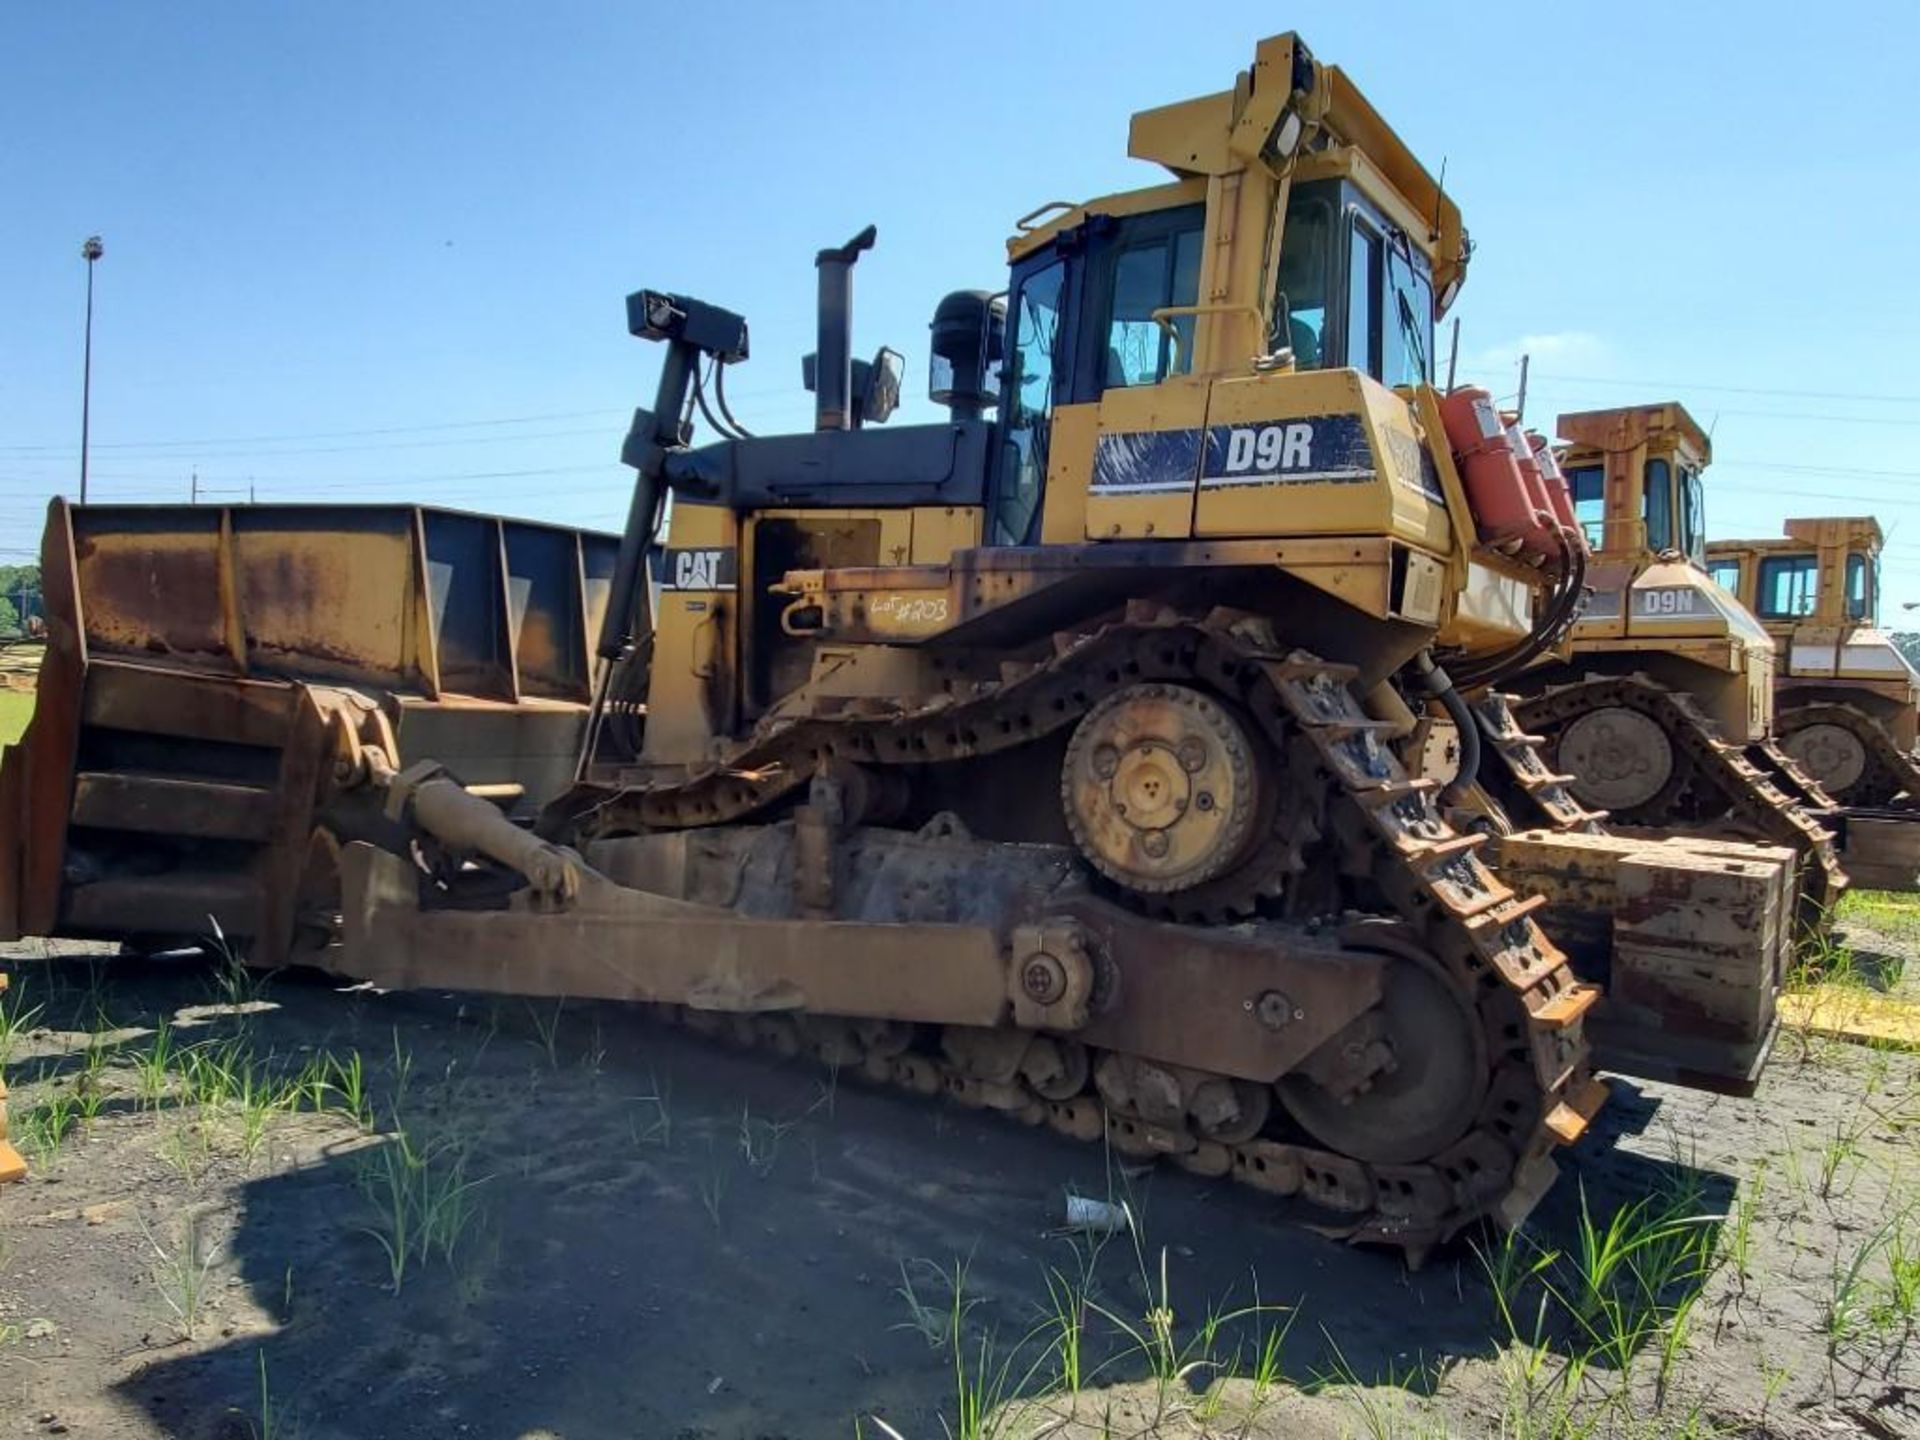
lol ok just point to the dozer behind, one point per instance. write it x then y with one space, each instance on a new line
1063 755
1845 697
1660 707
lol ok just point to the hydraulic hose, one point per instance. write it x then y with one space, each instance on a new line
1561 612
1441 688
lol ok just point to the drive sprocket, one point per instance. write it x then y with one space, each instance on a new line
1164 788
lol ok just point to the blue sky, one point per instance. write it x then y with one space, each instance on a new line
378 252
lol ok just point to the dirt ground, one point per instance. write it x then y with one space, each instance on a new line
609 1227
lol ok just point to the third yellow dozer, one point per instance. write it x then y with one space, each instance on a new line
1060 755
1845 695
1660 709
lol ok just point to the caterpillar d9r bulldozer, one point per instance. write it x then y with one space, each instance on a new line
1847 701
1062 756
1660 707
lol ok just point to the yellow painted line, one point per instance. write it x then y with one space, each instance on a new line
1846 1012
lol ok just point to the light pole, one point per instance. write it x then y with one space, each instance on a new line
92 250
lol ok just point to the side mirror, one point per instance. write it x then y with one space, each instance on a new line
882 395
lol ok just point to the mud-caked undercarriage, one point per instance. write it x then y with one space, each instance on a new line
1262 950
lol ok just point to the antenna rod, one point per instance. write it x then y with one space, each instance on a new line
1453 353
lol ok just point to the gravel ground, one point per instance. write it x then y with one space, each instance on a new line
618 1229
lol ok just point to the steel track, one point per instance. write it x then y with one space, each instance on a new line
1713 779
1356 812
1890 770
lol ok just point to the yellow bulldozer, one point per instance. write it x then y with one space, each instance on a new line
1660 707
1845 696
1062 756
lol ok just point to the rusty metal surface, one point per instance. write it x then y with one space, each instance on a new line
13 815
1693 937
616 943
199 659
12 1167
170 805
1698 939
45 754
1882 850
1249 1001
393 597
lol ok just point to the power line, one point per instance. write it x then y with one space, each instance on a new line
1843 471
1796 394
785 393
204 452
316 434
148 482
1873 500
1817 416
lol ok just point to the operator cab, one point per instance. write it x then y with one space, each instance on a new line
1787 586
1671 502
1353 291
1826 571
1673 505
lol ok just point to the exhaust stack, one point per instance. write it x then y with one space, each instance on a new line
833 372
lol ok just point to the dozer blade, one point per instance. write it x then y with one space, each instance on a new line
197 657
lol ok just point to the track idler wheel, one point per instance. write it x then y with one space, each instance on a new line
1831 754
1618 757
1163 788
1402 1082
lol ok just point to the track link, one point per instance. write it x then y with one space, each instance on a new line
1351 809
1518 753
1790 776
1713 779
1892 775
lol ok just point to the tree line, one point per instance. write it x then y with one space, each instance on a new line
20 601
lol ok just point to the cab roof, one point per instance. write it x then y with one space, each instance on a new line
1222 133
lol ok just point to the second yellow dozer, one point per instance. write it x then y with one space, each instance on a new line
1659 708
1063 756
1847 700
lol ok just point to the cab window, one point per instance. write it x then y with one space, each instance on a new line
1659 484
1363 284
1725 574
1408 332
1788 585
1859 589
1151 275
1300 306
1031 368
1589 486
1693 515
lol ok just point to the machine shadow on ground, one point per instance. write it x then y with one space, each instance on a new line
669 1237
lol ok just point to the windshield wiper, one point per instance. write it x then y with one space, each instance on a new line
1410 327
